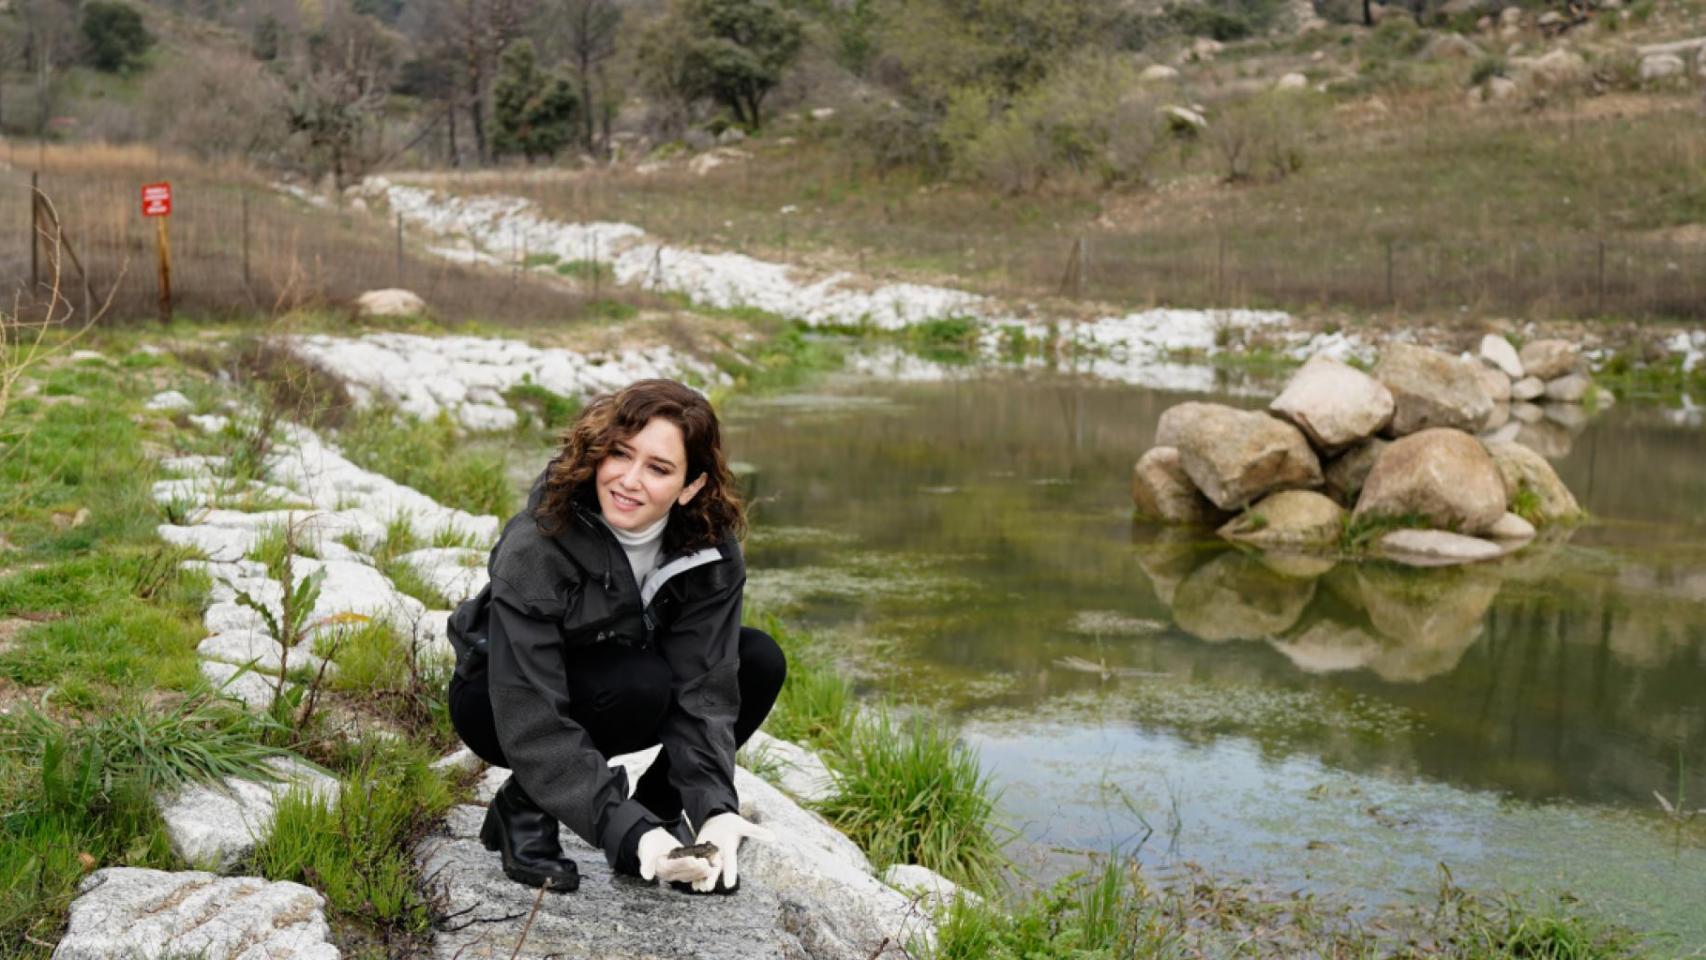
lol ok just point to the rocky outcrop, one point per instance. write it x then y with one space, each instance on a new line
130 912
1235 456
1526 476
1297 519
1334 403
1432 389
1443 476
1161 489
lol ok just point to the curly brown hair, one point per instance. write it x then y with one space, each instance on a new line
714 514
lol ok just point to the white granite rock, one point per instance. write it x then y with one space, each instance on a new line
219 827
462 759
253 689
147 914
1498 352
455 572
800 771
1528 388
1426 548
170 401
927 886
1511 527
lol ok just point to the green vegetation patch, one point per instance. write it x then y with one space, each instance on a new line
430 456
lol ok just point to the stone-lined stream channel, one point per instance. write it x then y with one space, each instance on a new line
1342 731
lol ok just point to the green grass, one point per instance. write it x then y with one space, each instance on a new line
430 456
546 410
1360 533
587 270
908 791
785 359
359 850
1106 915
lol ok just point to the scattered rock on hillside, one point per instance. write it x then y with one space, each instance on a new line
1157 73
1235 456
126 911
1292 81
1160 488
1334 403
1521 468
1183 119
1435 548
1432 390
169 401
1549 359
1570 388
1661 66
1498 352
1288 519
1346 473
1555 67
390 302
1451 46
1444 476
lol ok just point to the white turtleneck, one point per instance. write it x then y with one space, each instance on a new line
641 546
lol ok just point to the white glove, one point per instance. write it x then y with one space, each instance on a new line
727 830
655 845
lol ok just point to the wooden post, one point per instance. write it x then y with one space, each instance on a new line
1599 310
1220 273
163 245
595 276
399 250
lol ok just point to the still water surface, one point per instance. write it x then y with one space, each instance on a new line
1340 729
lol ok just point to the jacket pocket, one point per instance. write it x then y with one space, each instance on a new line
596 615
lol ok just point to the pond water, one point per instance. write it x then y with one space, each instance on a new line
1338 729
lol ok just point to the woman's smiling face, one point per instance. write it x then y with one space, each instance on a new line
644 476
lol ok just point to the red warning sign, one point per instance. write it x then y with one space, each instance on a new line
156 199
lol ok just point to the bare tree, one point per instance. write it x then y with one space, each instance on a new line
49 45
240 106
338 87
589 30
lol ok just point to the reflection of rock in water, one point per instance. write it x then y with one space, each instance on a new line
1431 616
1167 555
1329 646
1545 438
1235 597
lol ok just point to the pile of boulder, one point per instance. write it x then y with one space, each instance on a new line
1411 461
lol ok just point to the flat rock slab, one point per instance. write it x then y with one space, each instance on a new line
798 771
219 827
144 914
609 918
1431 548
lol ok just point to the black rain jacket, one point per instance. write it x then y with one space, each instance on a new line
550 594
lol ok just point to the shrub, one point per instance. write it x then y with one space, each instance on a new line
1486 68
1263 136
114 35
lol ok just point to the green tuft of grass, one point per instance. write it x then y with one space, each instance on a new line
1360 533
1527 505
586 270
1107 914
547 410
358 851
910 792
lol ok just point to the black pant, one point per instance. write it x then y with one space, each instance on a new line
620 696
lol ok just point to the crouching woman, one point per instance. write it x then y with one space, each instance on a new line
612 624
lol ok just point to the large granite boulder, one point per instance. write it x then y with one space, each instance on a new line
1294 519
1334 403
1549 359
1442 476
1346 472
1161 489
1235 456
1498 387
131 912
1522 469
1235 597
1432 389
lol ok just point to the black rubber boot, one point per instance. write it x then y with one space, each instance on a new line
526 838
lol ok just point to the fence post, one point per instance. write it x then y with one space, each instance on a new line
1220 273
1599 309
595 277
1083 264
1391 294
35 241
247 288
399 249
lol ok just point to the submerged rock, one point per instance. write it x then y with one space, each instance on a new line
1527 476
1236 597
1432 389
1235 456
1290 518
1334 403
1161 489
1443 476
130 912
